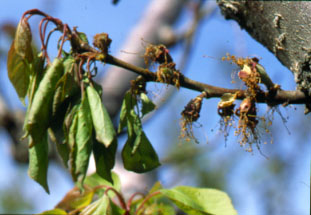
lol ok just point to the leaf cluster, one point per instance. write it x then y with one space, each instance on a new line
103 197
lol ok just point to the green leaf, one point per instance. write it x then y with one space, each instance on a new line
147 104
157 186
104 158
144 159
100 206
41 107
18 72
38 160
200 200
68 119
74 199
83 140
72 144
128 104
158 208
62 147
104 129
265 79
158 204
115 209
22 40
67 85
36 75
95 180
55 211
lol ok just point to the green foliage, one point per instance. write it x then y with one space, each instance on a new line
138 154
157 201
105 132
200 200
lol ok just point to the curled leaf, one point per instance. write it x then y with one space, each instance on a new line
38 160
22 40
138 154
18 72
104 129
104 158
83 139
41 108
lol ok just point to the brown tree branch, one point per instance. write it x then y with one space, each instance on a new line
279 97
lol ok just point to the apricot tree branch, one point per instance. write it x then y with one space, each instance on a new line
279 97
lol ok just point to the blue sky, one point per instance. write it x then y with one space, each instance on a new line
216 38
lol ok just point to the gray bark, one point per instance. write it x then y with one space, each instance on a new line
283 27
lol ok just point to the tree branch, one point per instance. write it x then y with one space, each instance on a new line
279 97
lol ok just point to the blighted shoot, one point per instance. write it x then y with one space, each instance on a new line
157 54
247 114
167 73
191 114
225 110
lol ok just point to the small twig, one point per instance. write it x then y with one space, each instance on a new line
147 199
63 40
120 197
129 202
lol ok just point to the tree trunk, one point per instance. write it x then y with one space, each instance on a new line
282 27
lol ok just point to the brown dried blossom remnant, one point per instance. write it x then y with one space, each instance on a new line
225 110
102 42
138 85
190 114
167 73
252 74
247 114
157 54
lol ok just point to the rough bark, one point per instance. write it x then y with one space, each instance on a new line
284 27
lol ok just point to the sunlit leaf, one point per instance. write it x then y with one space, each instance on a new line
100 206
18 72
144 159
56 211
104 158
74 199
104 129
158 208
38 160
157 186
22 40
94 180
200 200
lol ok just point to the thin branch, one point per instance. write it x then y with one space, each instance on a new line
280 97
